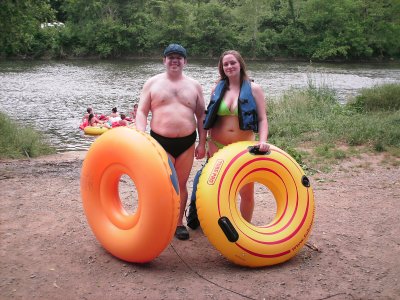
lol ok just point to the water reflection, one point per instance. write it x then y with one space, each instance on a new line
53 95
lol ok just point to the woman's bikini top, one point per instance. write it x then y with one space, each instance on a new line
223 110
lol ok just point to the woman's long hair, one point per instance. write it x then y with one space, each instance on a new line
243 68
91 116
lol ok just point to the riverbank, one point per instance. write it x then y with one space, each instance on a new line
158 57
49 252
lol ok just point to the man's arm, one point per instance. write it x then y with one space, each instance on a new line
144 107
200 115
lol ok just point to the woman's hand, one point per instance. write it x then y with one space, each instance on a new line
263 146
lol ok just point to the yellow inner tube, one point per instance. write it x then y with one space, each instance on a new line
241 242
94 130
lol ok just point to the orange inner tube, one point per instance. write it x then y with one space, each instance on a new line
143 235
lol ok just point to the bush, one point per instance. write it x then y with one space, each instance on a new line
18 142
379 98
300 114
314 117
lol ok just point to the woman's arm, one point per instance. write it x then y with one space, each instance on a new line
259 96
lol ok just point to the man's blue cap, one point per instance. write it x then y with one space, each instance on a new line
175 48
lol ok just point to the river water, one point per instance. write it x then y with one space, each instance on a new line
52 96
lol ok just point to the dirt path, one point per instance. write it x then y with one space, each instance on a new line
47 250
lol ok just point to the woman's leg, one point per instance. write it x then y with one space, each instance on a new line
246 193
213 146
247 201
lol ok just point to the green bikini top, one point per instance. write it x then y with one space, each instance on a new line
223 110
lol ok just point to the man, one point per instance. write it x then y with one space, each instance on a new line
134 111
177 106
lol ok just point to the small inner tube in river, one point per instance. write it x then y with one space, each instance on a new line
94 130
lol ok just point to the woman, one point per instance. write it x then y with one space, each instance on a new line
114 116
94 121
235 113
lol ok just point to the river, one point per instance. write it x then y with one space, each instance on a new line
52 96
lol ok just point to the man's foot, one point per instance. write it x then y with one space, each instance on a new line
191 219
181 233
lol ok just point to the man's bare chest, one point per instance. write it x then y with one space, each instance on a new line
174 95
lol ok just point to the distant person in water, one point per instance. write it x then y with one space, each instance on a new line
133 113
123 121
114 116
89 111
114 113
94 121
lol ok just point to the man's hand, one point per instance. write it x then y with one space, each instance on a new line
200 151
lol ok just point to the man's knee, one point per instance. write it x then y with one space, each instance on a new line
183 191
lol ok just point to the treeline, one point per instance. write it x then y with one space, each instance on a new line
265 29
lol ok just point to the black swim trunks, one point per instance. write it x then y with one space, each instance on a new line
175 146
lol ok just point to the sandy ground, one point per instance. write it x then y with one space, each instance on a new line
48 251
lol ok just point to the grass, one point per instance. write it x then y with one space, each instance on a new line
314 119
18 141
379 98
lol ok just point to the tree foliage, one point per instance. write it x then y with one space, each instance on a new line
304 29
20 33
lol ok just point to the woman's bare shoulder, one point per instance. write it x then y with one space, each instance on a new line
257 90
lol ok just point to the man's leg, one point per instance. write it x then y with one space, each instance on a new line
183 165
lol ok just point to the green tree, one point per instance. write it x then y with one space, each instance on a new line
20 26
334 29
311 29
106 28
213 30
57 6
172 23
381 24
251 13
